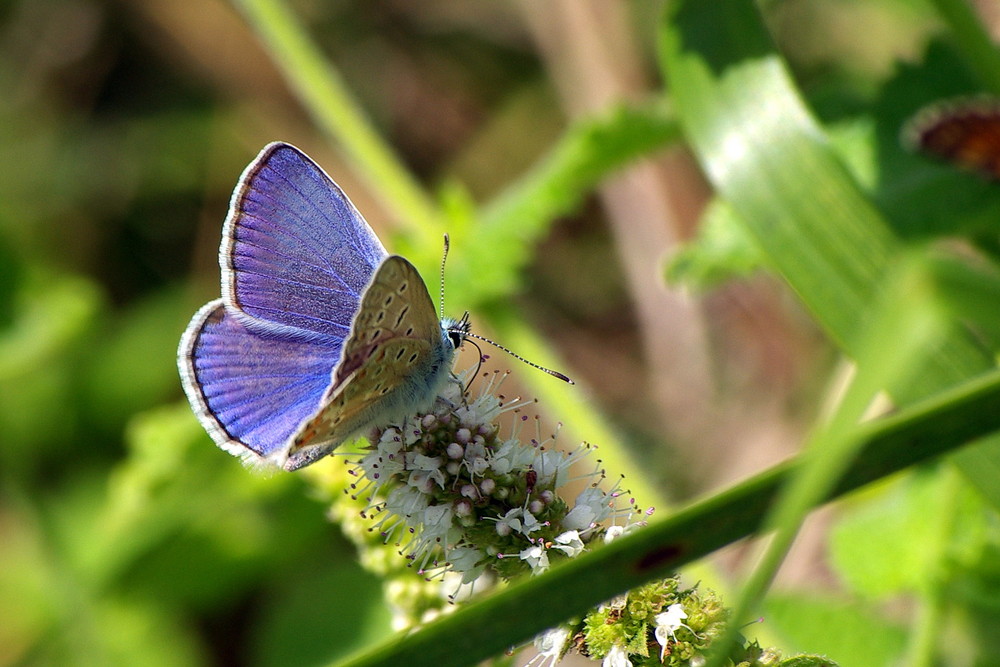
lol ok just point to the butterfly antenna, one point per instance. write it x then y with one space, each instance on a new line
463 329
444 258
551 372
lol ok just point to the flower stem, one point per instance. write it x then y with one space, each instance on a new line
322 90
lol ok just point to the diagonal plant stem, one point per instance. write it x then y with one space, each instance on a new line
908 316
325 95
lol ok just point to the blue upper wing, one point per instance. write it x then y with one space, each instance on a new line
296 255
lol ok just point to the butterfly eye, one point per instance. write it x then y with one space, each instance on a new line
456 338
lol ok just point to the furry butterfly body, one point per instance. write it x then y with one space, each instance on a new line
320 335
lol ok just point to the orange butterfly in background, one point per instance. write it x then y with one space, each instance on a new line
964 132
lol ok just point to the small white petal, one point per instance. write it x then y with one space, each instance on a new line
550 645
536 557
613 533
569 543
616 657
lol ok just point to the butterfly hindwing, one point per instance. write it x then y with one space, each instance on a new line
392 364
250 392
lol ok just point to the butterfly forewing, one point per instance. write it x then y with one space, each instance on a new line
396 307
395 346
296 254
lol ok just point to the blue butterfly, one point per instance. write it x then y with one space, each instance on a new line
320 334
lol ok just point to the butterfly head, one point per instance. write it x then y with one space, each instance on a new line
457 330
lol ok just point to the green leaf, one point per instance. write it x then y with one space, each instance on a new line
324 614
776 168
722 250
766 154
920 196
883 543
849 632
965 287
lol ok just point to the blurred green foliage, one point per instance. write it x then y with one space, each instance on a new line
127 538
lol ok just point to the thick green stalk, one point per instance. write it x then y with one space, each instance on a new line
323 92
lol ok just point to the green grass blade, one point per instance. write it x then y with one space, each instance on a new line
908 320
769 158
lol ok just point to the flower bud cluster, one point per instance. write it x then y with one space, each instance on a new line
454 495
655 624
656 620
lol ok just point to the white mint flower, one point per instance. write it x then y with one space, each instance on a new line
463 508
530 523
483 410
592 506
436 522
536 557
424 480
474 450
464 559
616 657
511 455
569 543
668 623
406 501
550 645
552 467
613 533
386 460
455 588
432 482
421 462
478 466
510 522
